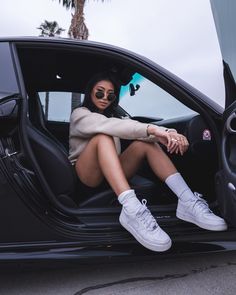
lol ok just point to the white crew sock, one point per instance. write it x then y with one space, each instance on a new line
129 201
179 187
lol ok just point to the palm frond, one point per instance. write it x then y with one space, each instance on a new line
71 3
68 3
50 29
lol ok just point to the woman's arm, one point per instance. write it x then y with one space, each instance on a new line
85 123
174 141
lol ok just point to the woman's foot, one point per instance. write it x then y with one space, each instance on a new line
144 228
196 210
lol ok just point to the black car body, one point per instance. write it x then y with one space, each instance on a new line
44 214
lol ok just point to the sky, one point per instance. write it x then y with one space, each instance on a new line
178 35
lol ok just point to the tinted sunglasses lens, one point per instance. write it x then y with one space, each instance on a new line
99 94
111 96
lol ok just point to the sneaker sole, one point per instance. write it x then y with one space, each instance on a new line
186 217
153 247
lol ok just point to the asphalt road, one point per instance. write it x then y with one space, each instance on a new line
202 274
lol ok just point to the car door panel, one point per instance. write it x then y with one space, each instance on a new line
226 177
17 220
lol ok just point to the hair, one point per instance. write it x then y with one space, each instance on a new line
88 103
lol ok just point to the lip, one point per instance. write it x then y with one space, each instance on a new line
103 104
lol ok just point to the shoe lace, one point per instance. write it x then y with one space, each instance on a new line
200 203
146 218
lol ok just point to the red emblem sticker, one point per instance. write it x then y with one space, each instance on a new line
206 135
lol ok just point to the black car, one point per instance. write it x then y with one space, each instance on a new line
44 212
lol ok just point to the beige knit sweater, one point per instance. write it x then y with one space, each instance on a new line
84 124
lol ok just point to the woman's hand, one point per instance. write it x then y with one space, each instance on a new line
174 142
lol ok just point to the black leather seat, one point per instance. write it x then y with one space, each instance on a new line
54 164
63 181
144 188
38 120
36 113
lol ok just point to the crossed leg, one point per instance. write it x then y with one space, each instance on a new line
99 159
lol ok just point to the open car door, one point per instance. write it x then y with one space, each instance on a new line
226 178
224 16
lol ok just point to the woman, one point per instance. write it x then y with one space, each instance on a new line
95 134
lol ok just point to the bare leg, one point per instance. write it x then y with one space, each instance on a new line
153 237
133 156
98 160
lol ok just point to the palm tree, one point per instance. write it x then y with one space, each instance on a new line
50 29
78 28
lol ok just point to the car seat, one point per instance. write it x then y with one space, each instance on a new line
63 181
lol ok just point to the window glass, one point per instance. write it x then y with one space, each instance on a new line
8 83
57 106
150 100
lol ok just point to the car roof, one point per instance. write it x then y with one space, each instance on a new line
42 59
62 64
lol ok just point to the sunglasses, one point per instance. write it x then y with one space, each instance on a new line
101 94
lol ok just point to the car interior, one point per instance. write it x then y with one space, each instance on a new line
65 70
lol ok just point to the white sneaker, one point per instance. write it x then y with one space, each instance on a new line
143 226
196 210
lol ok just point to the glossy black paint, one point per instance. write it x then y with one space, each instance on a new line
36 226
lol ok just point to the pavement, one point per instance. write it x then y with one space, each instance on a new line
203 274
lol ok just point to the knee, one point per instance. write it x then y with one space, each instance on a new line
143 145
147 147
157 147
103 138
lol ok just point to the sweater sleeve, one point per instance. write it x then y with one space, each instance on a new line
85 123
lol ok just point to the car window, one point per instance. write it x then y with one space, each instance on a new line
141 97
149 100
57 106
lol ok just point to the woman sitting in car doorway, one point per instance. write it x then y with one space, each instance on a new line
95 133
